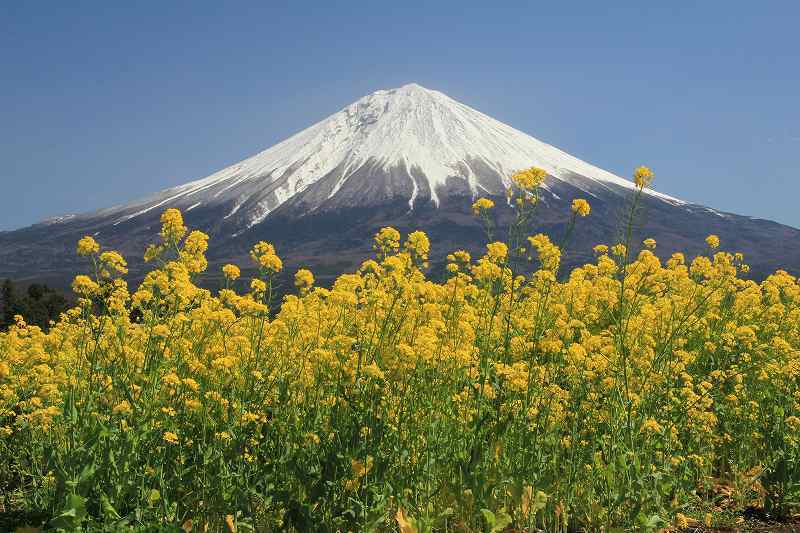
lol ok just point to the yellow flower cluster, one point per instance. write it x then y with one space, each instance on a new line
459 394
303 279
88 246
712 241
263 253
549 254
581 207
112 263
418 247
172 228
481 205
529 179
643 177
231 272
193 253
387 241
497 252
85 286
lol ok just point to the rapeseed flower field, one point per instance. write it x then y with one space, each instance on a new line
628 394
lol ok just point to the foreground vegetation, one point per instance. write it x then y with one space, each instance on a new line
630 394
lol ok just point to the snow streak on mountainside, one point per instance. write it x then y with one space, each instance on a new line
415 134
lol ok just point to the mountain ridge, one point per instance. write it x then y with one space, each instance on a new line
408 156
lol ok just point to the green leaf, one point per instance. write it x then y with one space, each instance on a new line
650 523
503 521
108 510
489 517
72 515
87 472
496 521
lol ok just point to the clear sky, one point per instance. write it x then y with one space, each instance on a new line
104 102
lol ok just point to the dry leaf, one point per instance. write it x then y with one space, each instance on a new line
230 523
527 496
403 522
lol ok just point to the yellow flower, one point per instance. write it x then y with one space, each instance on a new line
193 253
141 297
170 437
652 426
712 241
172 228
196 243
387 240
263 253
303 279
88 246
460 256
372 370
361 469
113 263
619 250
258 286
530 178
649 243
643 177
123 407
482 205
271 263
418 245
497 251
581 207
231 272
549 254
84 286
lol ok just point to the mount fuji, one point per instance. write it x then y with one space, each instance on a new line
410 157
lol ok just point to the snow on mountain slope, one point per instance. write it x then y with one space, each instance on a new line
411 128
408 158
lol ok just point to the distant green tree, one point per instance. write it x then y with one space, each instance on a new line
7 304
38 305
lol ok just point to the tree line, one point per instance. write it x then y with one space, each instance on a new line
38 304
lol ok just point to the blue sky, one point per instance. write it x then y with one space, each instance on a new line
104 102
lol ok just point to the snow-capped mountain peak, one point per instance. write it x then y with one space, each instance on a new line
411 158
420 137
